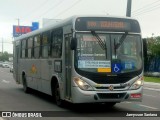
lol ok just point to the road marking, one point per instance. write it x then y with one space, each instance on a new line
5 81
1 118
151 89
149 95
127 102
148 106
5 72
149 83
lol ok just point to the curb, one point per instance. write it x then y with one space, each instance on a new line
152 86
153 89
151 83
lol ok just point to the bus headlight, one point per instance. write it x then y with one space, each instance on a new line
82 84
137 84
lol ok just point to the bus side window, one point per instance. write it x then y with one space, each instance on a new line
36 49
30 45
45 45
23 47
57 37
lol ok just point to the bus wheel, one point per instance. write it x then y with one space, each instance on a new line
58 99
25 88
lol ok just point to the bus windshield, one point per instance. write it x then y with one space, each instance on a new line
90 57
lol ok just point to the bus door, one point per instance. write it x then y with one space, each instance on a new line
68 62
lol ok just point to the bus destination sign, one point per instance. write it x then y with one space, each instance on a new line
109 25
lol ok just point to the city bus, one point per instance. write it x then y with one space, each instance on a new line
83 59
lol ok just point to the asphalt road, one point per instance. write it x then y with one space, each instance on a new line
12 98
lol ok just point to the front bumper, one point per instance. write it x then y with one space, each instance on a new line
80 96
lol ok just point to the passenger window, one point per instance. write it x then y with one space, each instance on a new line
36 46
57 37
45 45
23 54
30 45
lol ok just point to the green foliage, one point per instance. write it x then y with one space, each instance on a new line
4 56
152 79
154 46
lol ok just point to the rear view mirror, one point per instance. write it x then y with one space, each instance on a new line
73 43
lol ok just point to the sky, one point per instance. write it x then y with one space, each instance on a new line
147 12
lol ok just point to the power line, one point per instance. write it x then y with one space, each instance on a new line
144 7
51 8
55 6
151 7
37 8
148 8
67 9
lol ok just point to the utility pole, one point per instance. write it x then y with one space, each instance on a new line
129 5
2 45
18 21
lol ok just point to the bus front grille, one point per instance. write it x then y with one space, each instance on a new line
117 87
111 95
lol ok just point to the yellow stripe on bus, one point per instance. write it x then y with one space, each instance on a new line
104 69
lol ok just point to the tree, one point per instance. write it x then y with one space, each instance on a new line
4 56
152 59
153 46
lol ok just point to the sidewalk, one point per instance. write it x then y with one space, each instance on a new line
152 85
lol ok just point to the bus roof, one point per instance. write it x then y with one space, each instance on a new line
70 20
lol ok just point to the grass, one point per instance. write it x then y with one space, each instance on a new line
152 79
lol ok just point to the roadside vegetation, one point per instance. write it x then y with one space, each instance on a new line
152 79
152 58
5 56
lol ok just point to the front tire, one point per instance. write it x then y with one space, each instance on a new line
25 87
57 97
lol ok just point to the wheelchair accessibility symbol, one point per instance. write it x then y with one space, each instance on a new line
116 67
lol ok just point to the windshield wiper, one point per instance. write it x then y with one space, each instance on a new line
117 45
120 41
100 42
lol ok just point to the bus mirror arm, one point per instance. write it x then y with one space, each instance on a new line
73 43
